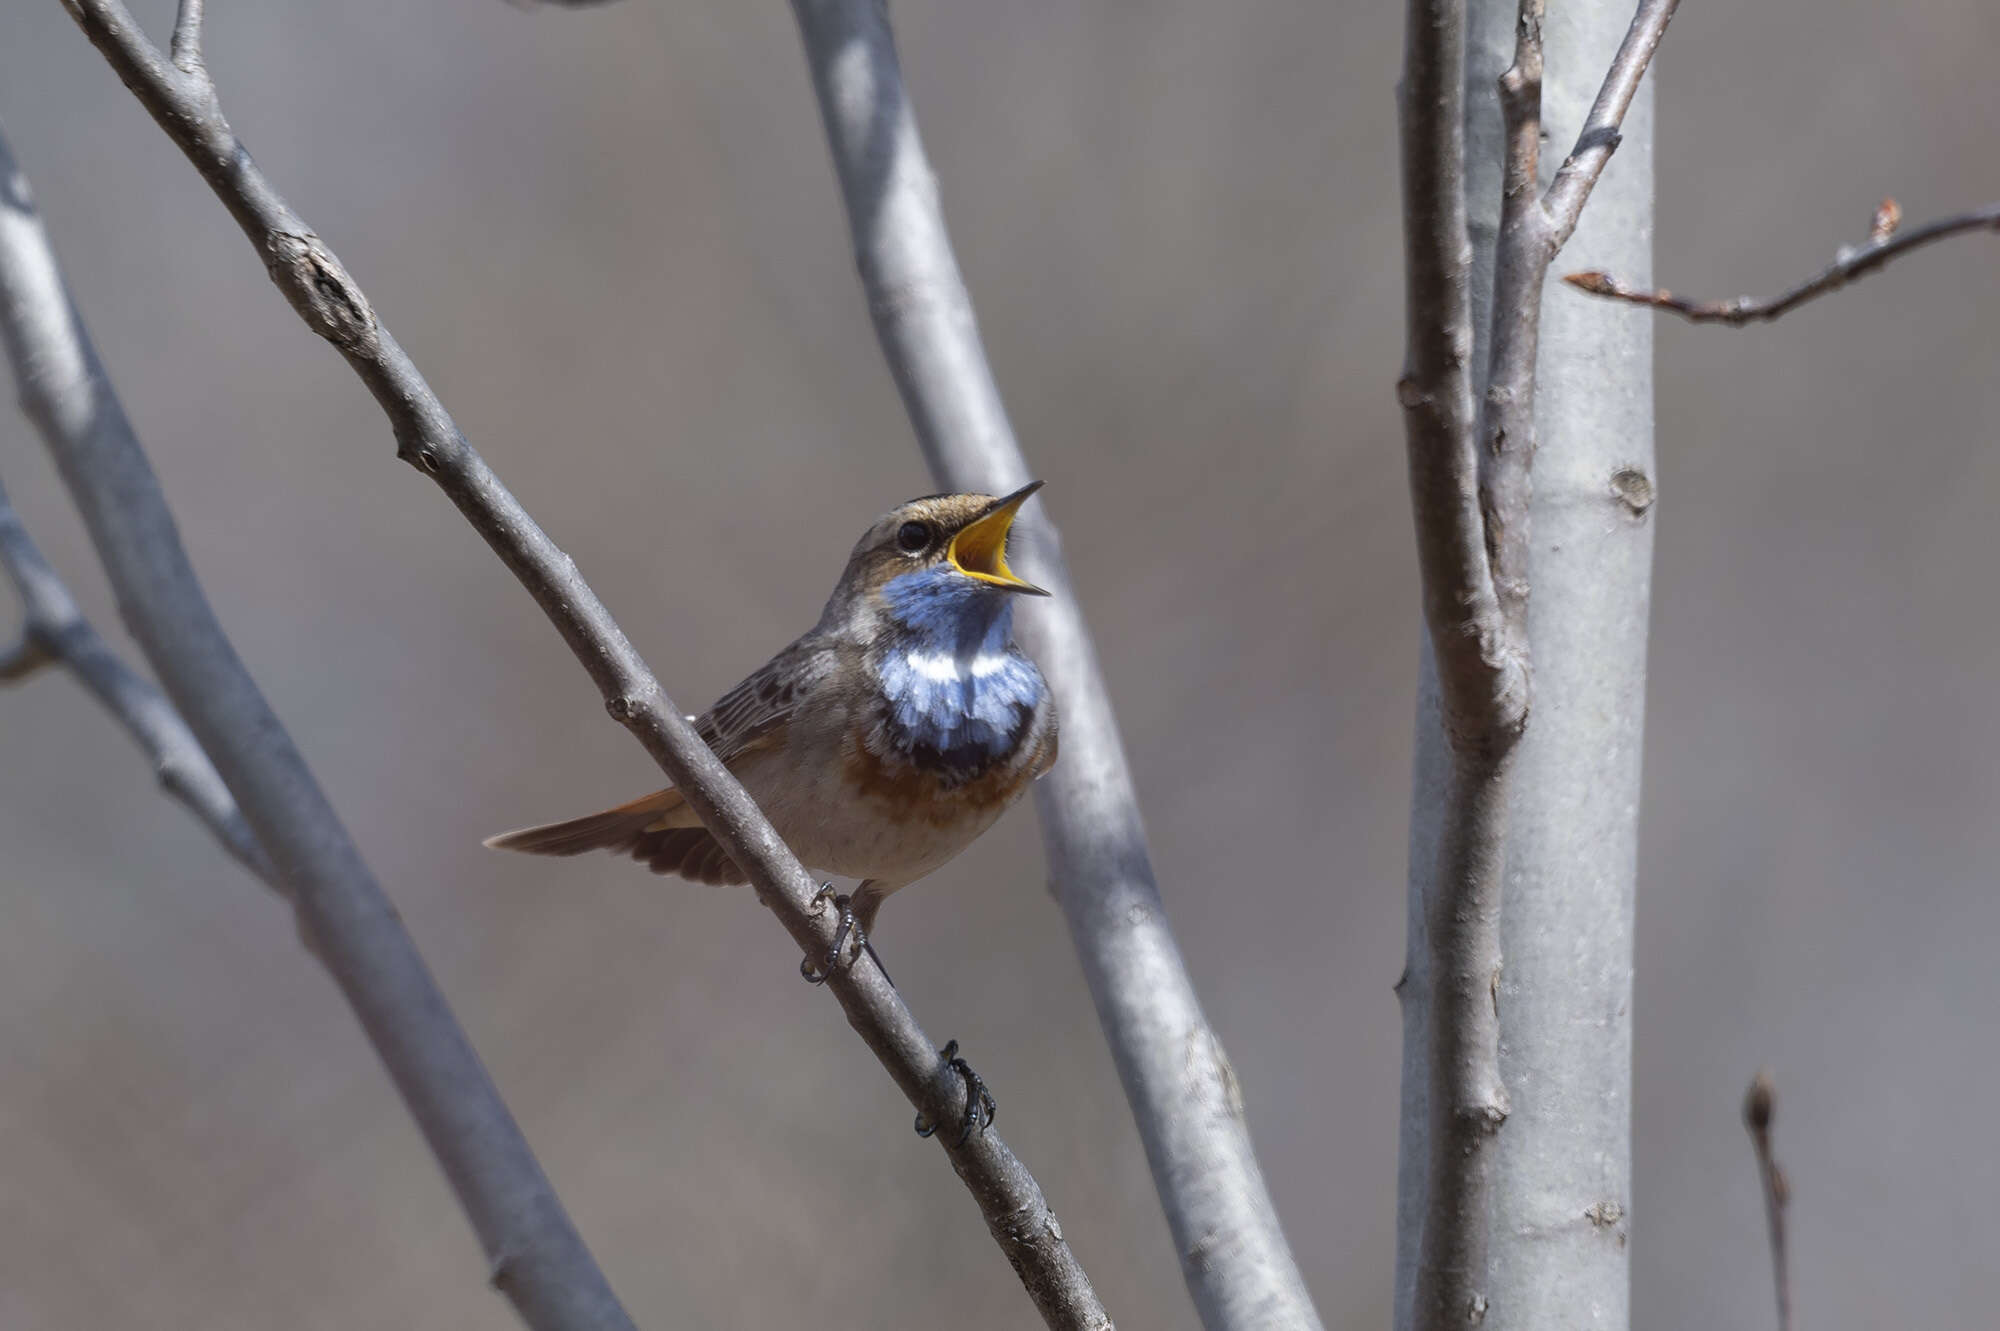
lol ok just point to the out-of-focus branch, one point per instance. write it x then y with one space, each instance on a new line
1472 513
1759 1112
54 632
1182 1091
319 288
538 1260
1885 242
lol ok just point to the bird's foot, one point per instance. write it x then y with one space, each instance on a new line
979 1105
845 905
848 927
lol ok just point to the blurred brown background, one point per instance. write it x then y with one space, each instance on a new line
612 240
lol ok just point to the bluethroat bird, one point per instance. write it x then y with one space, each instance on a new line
885 740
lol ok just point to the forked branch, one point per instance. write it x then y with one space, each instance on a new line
55 632
348 923
1471 491
329 301
1885 242
1532 231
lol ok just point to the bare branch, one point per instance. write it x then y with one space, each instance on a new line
1472 509
538 1260
23 657
1885 243
1482 673
1532 232
1760 1104
319 288
1182 1091
1520 264
54 631
1599 139
187 38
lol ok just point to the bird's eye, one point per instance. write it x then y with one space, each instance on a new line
913 537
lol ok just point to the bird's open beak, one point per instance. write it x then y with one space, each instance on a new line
980 548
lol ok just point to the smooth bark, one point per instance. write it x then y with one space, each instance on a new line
1514 1153
54 632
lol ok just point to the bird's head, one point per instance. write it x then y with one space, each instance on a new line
938 560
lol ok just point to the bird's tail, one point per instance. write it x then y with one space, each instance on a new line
622 828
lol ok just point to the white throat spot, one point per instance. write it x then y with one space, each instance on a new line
945 667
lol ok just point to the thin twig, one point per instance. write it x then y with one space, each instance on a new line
1183 1094
55 632
319 288
1759 1111
1598 139
1472 508
1885 243
347 922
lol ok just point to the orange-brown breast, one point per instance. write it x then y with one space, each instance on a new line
908 792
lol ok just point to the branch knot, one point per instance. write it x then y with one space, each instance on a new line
318 287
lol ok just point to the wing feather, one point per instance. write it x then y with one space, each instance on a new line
753 714
659 829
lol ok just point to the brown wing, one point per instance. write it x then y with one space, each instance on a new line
755 712
659 830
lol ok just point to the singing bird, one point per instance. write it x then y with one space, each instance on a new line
884 741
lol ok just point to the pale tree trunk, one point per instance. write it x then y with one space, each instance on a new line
1558 1252
1559 1189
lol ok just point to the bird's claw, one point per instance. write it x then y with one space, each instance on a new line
979 1104
845 905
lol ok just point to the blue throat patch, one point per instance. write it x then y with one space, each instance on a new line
959 696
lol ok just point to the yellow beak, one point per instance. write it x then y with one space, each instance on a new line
980 548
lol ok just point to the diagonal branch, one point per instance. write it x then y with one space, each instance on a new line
1182 1091
1855 261
23 657
1570 190
319 288
348 923
54 632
